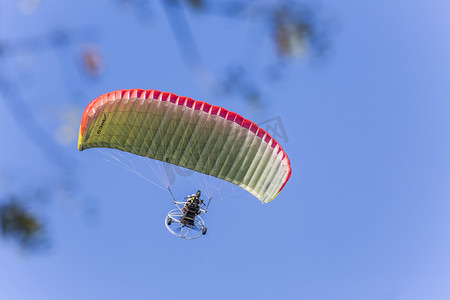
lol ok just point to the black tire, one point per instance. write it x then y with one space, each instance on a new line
204 230
199 193
169 221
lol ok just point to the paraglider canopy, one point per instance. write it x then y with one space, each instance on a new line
191 134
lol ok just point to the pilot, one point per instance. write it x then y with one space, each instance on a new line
191 208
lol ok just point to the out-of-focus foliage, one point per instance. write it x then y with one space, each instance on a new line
20 225
295 30
237 82
291 34
298 31
196 3
92 60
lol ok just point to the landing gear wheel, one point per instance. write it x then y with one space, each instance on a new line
204 230
198 193
180 229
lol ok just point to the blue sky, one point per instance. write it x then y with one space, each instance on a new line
364 215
